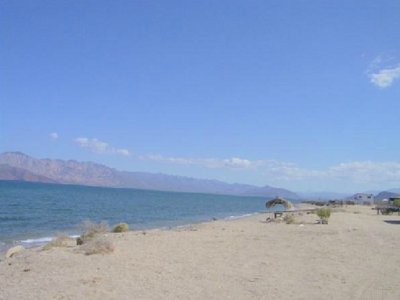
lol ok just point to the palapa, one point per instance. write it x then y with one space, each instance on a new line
279 201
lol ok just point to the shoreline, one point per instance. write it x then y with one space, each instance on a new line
37 242
355 256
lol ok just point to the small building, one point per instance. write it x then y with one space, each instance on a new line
363 199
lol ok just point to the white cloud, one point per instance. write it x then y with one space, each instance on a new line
54 136
385 77
124 152
213 163
236 162
384 70
365 172
96 146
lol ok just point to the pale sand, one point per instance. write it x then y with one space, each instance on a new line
355 256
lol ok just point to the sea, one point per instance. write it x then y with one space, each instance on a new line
32 213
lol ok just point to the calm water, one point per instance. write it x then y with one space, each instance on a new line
31 213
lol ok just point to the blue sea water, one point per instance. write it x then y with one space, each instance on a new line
31 213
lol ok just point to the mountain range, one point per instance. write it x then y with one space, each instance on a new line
19 166
387 194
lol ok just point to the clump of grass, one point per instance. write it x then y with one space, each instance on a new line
98 245
289 219
121 227
324 214
90 230
60 240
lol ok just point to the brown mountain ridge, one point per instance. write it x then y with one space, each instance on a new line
19 166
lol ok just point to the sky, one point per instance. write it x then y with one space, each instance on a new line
303 95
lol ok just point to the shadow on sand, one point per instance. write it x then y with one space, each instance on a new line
392 222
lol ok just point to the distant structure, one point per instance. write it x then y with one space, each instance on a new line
279 201
363 199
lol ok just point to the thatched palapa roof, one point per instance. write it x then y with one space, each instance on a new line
279 201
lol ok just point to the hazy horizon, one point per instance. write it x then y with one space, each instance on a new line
299 95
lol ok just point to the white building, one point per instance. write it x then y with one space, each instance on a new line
363 199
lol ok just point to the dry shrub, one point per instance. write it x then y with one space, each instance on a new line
278 220
289 219
98 246
90 230
121 227
60 240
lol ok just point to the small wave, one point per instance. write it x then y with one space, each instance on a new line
239 216
37 241
43 240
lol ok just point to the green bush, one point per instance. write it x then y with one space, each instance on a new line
397 202
324 213
121 227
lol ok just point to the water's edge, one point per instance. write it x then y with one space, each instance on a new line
32 213
41 241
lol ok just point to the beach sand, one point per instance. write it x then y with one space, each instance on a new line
355 256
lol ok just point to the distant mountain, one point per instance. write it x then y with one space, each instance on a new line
386 195
19 166
323 195
12 173
71 171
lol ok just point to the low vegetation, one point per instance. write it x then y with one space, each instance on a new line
98 245
289 219
324 214
60 240
90 230
121 227
92 240
397 202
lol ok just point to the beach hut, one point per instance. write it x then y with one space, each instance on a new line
279 201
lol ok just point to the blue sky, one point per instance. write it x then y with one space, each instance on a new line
297 94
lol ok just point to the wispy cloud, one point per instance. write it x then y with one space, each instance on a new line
278 169
384 70
54 136
96 146
364 172
385 77
213 163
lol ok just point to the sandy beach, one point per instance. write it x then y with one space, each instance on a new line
355 256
